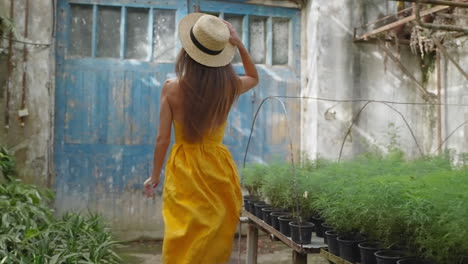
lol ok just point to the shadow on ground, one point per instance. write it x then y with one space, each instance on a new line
269 252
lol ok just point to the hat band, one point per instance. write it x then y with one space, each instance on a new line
201 47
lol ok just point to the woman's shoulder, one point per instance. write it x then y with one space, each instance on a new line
171 83
172 91
171 86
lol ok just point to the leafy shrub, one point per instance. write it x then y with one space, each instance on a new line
30 234
274 188
253 178
7 164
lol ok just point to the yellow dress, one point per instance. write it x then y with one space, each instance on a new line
201 201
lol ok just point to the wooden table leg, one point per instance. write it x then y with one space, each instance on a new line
299 258
252 243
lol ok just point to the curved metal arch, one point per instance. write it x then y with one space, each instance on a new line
359 113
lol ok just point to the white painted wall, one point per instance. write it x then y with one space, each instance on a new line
32 143
334 67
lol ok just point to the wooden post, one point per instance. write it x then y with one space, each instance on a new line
299 258
252 243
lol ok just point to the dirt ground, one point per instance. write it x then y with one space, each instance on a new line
269 252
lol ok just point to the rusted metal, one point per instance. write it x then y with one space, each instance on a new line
376 40
446 54
401 22
439 101
418 14
451 16
52 34
463 4
389 16
427 95
9 68
312 248
25 61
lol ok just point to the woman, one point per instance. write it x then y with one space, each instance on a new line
202 196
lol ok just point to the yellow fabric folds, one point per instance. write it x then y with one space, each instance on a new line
201 201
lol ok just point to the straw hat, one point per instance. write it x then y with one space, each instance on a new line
206 39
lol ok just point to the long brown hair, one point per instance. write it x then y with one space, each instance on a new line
208 94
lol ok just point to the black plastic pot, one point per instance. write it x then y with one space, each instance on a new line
413 261
274 219
251 205
367 250
389 256
301 232
284 224
266 213
348 247
325 228
318 221
248 198
258 209
399 247
333 247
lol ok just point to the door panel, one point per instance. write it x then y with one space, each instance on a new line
112 59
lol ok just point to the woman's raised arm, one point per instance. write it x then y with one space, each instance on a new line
250 79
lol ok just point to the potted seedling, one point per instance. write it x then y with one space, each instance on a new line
253 176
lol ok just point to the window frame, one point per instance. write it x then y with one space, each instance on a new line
176 6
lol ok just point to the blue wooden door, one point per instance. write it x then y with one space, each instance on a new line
112 59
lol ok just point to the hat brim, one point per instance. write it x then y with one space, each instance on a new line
222 59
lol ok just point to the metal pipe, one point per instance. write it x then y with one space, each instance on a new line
441 48
426 95
439 101
387 17
452 16
25 60
10 68
53 19
417 10
463 4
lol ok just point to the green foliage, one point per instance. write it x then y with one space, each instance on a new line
253 178
30 234
278 187
428 63
7 164
6 25
420 203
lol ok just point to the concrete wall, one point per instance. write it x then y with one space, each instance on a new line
455 91
335 67
30 140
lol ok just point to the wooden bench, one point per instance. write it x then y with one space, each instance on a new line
300 252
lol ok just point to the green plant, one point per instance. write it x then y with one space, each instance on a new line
253 178
7 164
29 233
6 25
419 203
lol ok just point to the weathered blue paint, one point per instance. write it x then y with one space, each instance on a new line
107 110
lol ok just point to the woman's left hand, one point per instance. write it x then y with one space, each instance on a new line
149 186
